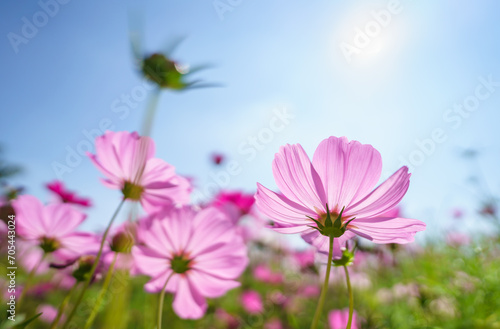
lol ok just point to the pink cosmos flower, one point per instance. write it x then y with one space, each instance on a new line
252 302
488 209
341 176
228 320
457 239
49 313
457 213
126 159
308 291
304 258
235 203
338 319
198 252
217 158
263 273
273 324
67 196
243 202
52 227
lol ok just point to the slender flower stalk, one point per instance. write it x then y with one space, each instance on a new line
150 113
351 298
60 311
104 288
160 301
86 284
321 302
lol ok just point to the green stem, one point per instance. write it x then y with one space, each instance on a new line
150 113
94 266
60 311
29 278
351 298
321 302
160 301
104 288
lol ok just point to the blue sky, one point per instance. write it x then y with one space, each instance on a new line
399 88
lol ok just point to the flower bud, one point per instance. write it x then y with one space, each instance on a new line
122 242
346 260
163 71
84 268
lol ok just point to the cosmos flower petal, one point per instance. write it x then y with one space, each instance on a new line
158 238
297 179
134 152
112 181
157 172
384 197
156 195
213 227
280 209
29 211
209 285
156 284
227 262
348 170
388 230
188 303
107 153
289 229
61 219
149 262
389 223
174 228
79 243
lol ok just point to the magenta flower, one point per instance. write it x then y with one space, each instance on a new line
243 202
308 291
457 239
49 312
67 196
199 253
217 158
252 302
273 324
264 273
338 319
126 159
52 227
229 321
336 188
457 213
304 258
